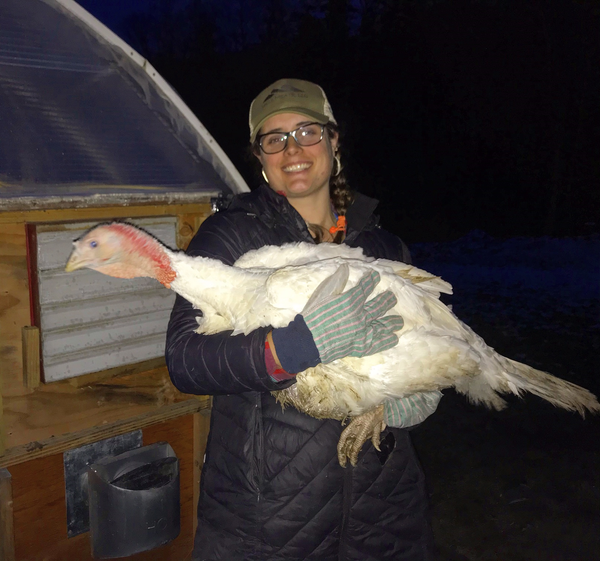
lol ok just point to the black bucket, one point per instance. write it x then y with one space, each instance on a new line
134 501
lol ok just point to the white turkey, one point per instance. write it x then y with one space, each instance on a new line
270 286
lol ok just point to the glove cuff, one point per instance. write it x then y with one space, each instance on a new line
295 346
412 410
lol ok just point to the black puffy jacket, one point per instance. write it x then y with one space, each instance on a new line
272 488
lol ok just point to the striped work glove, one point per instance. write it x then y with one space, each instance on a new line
339 326
348 325
412 410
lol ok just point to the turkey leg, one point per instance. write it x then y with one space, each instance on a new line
365 426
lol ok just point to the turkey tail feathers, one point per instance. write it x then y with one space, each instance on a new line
560 393
514 377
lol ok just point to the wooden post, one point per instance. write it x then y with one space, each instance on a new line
7 537
187 226
2 427
31 356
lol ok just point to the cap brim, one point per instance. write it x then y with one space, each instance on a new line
312 115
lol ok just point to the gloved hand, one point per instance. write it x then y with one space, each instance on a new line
348 325
412 410
338 326
401 413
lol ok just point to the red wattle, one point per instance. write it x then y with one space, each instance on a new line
147 247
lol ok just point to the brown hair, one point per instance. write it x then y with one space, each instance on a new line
339 191
341 194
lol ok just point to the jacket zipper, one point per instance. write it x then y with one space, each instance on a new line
259 445
258 458
346 505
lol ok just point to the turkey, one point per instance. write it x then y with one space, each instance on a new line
271 285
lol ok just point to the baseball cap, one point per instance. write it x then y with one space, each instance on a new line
289 96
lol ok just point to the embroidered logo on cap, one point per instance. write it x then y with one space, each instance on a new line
286 88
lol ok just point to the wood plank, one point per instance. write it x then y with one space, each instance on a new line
14 307
14 293
47 447
59 409
7 534
40 513
127 370
102 213
187 226
31 356
2 427
97 196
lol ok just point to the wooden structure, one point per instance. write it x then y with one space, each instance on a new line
41 420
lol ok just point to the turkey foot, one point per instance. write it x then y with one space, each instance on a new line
368 425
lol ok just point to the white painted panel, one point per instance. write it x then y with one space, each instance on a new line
92 322
58 286
95 335
76 365
69 314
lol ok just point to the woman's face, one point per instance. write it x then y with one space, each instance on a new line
297 171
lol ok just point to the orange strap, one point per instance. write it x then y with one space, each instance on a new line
340 226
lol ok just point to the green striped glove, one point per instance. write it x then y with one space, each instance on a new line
348 325
412 410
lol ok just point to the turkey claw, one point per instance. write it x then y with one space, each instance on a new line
365 426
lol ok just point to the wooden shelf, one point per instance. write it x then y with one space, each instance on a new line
60 416
54 445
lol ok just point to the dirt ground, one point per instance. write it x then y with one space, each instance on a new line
522 484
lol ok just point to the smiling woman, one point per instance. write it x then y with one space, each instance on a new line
273 486
299 170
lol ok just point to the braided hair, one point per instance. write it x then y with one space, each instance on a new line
339 190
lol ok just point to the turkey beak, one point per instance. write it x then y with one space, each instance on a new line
75 261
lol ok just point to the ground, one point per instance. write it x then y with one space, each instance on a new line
522 484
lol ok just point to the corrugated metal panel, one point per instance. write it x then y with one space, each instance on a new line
91 322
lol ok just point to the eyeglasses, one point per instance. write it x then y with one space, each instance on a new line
306 135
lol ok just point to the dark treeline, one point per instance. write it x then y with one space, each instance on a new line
457 114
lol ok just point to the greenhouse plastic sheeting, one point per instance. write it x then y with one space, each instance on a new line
76 110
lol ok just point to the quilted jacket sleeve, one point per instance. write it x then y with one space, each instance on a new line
216 364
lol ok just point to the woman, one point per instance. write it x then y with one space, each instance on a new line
272 487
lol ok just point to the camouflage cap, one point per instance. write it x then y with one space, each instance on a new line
289 96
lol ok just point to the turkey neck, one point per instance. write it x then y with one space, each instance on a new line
228 290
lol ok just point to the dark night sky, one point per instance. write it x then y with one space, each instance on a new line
476 113
112 13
